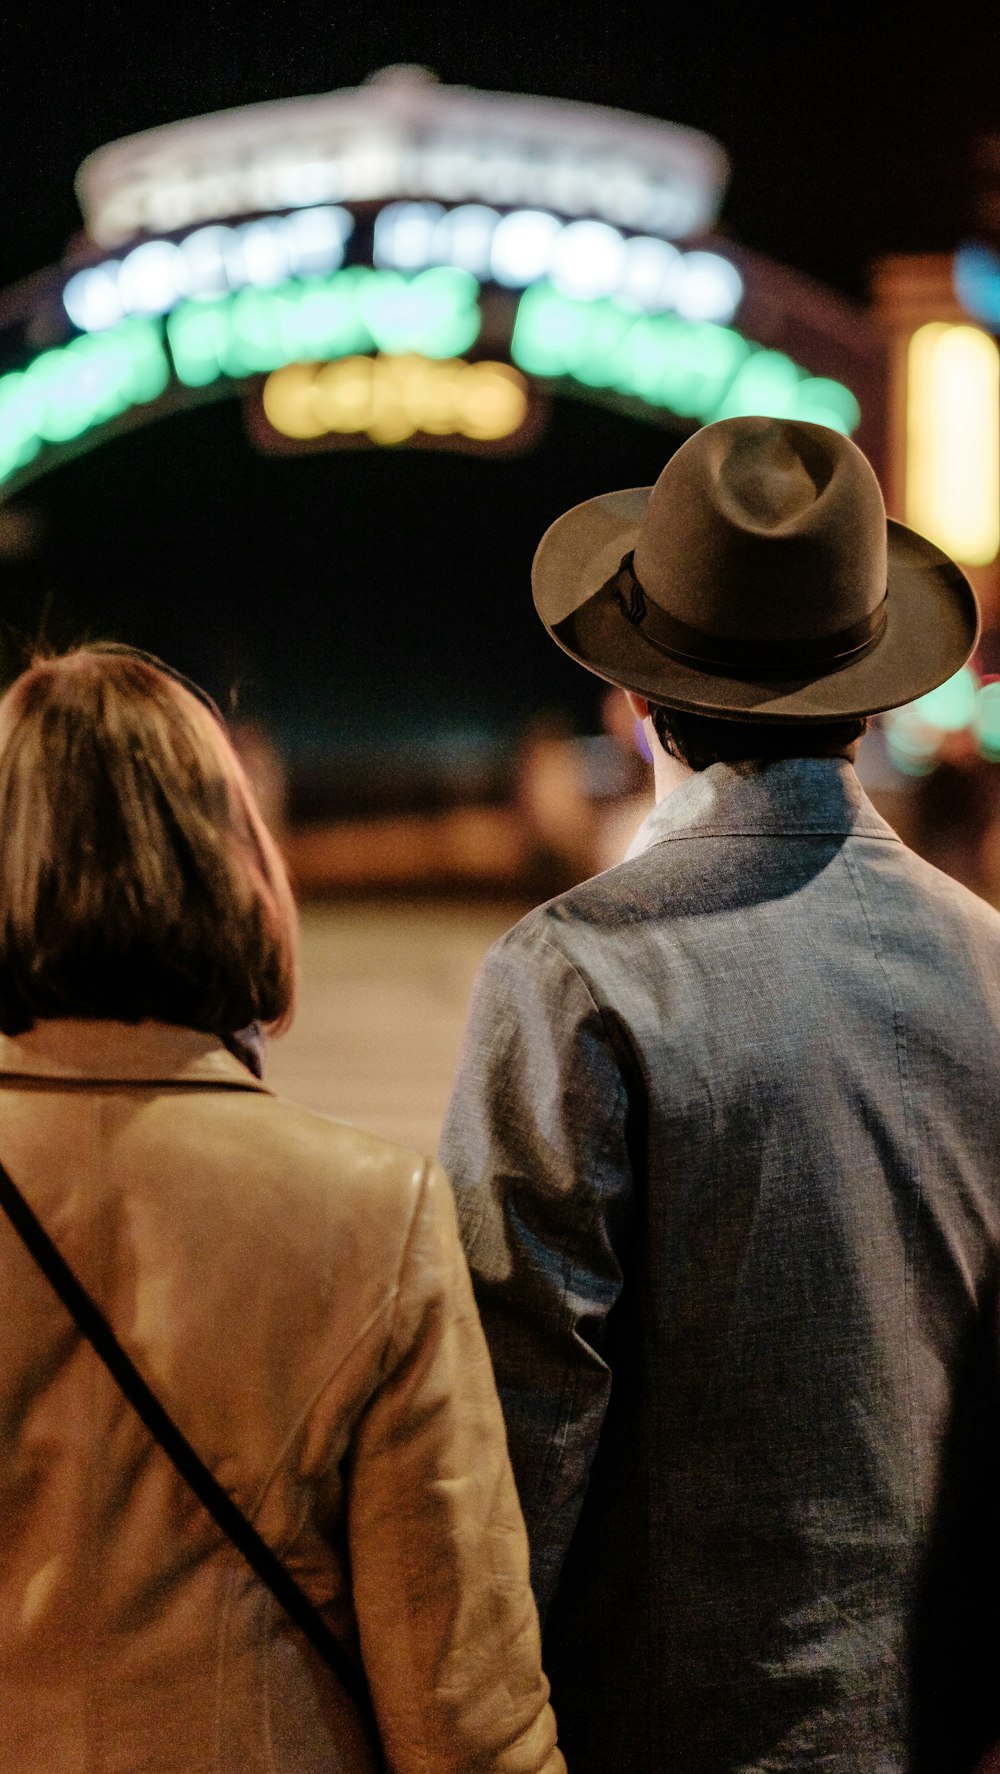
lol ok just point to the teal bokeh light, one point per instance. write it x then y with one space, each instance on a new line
952 705
987 722
696 369
912 744
68 390
435 313
71 389
915 733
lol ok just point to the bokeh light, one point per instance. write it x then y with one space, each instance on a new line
391 398
694 368
953 440
917 732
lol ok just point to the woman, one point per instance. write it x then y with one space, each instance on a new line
291 1289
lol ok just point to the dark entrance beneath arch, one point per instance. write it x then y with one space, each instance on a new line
369 608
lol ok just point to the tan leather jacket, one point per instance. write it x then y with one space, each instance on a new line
294 1291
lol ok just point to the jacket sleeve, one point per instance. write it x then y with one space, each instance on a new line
535 1145
439 1559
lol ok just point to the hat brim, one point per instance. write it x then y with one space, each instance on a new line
932 625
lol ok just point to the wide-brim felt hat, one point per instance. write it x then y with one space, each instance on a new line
759 579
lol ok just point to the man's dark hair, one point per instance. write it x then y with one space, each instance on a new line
701 740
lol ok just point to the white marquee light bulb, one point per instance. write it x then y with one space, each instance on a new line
92 298
464 237
404 233
152 278
316 238
522 246
587 260
263 253
650 271
711 288
205 260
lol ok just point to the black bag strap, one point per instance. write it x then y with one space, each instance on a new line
226 1514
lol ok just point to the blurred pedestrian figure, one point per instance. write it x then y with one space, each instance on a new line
726 1142
264 768
551 798
291 1290
622 813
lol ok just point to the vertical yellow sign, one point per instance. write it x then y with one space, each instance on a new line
953 440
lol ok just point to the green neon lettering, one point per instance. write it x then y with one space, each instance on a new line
550 332
19 441
706 359
435 313
644 358
324 321
70 389
697 369
598 365
767 383
256 335
253 331
825 402
197 334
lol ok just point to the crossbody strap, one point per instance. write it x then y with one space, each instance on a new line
226 1514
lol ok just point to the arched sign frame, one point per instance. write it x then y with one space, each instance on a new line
423 232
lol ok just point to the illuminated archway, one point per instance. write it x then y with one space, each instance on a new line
441 259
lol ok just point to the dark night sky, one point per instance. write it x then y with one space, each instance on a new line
349 591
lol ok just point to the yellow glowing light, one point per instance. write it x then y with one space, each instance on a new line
953 440
390 398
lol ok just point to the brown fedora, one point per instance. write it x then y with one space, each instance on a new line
759 579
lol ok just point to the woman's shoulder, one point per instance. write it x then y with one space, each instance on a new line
316 1216
292 1154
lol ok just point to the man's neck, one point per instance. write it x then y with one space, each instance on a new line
669 773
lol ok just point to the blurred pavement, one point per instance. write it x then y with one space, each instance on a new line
384 993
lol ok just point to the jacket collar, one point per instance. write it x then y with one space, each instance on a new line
79 1050
792 796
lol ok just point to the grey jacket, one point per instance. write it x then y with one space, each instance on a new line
726 1145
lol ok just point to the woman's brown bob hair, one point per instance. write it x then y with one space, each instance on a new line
138 878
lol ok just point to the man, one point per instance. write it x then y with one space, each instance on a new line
726 1144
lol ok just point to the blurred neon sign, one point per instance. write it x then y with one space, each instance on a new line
74 388
369 221
403 134
693 368
435 313
158 274
696 369
389 399
586 260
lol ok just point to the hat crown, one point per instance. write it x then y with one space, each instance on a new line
765 529
767 481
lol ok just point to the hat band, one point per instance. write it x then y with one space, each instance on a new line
730 654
